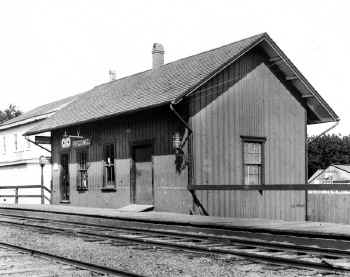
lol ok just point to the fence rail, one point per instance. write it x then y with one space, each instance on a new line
316 202
17 195
281 187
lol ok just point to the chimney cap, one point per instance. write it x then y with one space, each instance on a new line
112 75
157 48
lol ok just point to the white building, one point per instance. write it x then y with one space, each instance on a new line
336 173
19 157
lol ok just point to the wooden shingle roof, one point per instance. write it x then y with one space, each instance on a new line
147 89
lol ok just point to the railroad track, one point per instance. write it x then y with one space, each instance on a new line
330 259
20 261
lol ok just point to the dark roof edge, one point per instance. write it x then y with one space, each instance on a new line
337 166
29 132
312 178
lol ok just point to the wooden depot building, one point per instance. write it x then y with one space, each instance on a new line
179 135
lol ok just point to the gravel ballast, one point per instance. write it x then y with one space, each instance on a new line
146 260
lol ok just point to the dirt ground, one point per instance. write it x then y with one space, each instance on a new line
147 260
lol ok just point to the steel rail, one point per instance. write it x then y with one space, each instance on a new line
213 246
199 226
221 238
231 238
80 264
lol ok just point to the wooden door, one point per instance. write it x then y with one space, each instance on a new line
143 174
64 183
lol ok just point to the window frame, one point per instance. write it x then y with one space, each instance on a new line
15 142
108 185
4 144
261 141
27 144
78 153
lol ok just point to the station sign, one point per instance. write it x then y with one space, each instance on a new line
42 140
81 143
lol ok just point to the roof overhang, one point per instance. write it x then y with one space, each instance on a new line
33 131
318 111
318 106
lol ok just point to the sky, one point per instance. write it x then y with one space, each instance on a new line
54 49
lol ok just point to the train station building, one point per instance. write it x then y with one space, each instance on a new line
179 135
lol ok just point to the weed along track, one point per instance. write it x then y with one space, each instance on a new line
276 252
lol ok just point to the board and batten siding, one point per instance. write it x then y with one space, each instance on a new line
156 126
247 99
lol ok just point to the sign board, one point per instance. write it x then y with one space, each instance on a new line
66 142
42 140
81 143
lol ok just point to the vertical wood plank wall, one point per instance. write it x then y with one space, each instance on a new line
329 206
157 125
247 99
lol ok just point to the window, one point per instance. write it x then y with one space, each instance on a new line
108 157
253 160
82 159
15 141
4 145
27 143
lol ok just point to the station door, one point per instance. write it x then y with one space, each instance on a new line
142 188
64 182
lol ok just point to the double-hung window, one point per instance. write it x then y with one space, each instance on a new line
4 144
253 160
109 173
82 159
15 140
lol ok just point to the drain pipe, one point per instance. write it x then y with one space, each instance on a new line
188 133
188 129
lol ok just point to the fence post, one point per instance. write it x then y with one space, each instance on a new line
306 205
16 195
42 184
42 195
51 189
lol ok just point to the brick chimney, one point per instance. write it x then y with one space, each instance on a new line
157 55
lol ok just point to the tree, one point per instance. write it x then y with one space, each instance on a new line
9 113
327 150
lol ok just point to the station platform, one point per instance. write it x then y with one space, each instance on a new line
303 228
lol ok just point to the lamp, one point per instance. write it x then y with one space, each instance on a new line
42 162
176 140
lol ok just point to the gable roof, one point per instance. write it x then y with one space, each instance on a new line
168 83
342 167
315 175
37 113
